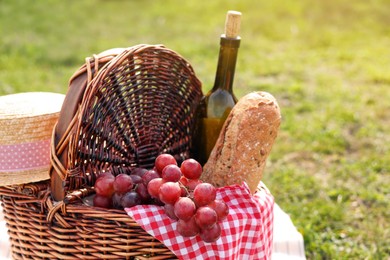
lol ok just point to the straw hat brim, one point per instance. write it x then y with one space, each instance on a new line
26 176
26 126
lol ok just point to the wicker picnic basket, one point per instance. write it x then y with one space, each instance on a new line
122 109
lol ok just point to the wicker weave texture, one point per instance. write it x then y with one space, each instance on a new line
139 105
82 232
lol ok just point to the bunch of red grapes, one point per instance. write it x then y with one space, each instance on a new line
186 199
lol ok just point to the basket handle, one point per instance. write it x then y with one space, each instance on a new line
67 119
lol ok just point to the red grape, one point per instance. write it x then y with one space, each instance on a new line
205 217
220 208
139 171
163 160
211 234
142 190
105 186
171 173
187 228
136 178
204 194
184 208
184 191
123 183
116 200
192 183
191 169
169 210
154 187
102 201
106 174
183 180
169 192
130 199
150 175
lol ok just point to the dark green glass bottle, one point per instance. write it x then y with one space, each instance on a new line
219 101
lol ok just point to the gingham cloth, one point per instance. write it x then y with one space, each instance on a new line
247 232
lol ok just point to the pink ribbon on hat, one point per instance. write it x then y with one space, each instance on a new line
24 156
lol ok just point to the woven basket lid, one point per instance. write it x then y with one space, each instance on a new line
139 104
26 125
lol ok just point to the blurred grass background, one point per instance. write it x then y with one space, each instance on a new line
326 62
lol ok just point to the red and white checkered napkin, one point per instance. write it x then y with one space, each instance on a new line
246 232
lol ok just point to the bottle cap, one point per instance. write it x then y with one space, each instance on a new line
232 25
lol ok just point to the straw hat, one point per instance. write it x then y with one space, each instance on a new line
26 124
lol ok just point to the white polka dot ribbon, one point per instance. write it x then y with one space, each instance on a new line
24 156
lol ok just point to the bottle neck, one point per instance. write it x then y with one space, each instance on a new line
226 63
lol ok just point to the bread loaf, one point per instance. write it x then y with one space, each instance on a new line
245 142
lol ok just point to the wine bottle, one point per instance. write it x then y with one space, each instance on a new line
216 105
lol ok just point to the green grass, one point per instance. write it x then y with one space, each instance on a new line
326 62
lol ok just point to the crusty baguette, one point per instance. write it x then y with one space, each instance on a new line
245 142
